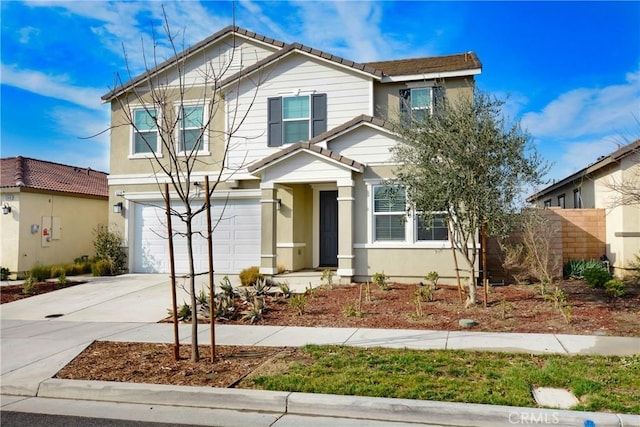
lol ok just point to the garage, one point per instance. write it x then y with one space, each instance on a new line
236 238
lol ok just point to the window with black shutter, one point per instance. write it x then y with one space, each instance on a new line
293 119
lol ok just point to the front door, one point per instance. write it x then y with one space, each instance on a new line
328 228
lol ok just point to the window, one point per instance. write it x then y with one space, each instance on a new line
296 118
561 202
547 203
432 228
145 131
577 200
419 103
389 211
190 130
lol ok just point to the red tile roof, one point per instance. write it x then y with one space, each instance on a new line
24 172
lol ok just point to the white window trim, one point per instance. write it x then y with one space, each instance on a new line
415 230
297 94
158 152
205 151
411 229
429 109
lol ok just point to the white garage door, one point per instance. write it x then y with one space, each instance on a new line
236 238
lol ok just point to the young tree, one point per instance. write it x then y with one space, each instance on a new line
185 107
467 162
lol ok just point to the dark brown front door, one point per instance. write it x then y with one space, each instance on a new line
328 229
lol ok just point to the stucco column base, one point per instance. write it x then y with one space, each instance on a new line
268 257
345 238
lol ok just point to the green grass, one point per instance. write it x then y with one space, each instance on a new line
600 383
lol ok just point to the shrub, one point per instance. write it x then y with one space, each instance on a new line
574 269
58 270
62 279
596 276
327 276
250 276
29 286
108 247
615 287
4 273
40 273
380 279
102 267
281 268
285 290
433 278
298 303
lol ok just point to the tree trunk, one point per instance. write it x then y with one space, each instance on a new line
195 354
472 298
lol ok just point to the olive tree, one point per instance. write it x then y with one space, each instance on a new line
467 162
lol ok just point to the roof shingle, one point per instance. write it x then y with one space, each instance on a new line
25 172
433 64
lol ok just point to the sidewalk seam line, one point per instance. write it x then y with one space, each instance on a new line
562 345
270 335
350 336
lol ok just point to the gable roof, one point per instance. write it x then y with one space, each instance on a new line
188 52
23 172
351 124
602 162
301 146
428 65
311 145
293 47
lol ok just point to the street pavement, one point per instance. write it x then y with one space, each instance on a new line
34 346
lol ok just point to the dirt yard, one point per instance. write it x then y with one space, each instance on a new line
511 308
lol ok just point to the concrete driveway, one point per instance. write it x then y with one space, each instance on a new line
125 298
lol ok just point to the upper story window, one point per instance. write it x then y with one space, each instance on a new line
191 132
296 118
419 103
145 131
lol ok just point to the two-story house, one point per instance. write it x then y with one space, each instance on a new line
305 166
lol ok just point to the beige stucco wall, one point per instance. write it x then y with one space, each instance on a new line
387 95
78 218
10 230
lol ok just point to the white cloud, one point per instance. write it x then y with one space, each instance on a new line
349 29
586 112
58 87
26 33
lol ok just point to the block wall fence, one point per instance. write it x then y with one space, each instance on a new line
581 235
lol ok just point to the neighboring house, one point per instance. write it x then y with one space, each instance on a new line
49 212
594 187
309 160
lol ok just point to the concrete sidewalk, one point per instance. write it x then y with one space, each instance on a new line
127 308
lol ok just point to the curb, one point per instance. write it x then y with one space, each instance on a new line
326 405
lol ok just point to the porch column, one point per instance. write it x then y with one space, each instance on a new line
268 204
345 225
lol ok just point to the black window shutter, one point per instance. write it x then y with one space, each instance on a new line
318 114
405 100
274 122
438 99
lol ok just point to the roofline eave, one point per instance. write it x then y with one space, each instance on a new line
431 76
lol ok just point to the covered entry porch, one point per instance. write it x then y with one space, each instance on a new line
307 211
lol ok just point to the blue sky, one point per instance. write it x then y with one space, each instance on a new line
570 70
